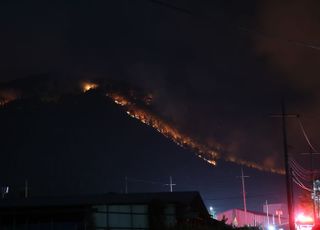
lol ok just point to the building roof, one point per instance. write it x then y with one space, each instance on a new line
109 198
248 211
191 201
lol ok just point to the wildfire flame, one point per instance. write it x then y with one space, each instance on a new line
86 86
202 150
119 99
151 119
137 105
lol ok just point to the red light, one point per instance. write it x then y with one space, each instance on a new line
303 218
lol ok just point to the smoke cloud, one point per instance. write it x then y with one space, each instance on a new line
287 21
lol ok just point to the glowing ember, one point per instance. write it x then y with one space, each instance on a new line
86 86
119 99
164 128
204 152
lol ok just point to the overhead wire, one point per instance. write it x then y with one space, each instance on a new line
303 170
293 161
300 184
297 178
301 176
241 28
299 168
306 136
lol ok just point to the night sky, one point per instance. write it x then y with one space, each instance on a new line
217 70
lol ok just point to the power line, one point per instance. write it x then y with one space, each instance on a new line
241 28
306 136
299 171
297 182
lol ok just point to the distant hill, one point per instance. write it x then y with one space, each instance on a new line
84 144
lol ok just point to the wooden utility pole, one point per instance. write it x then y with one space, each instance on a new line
287 169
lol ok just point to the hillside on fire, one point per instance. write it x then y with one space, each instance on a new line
85 142
108 141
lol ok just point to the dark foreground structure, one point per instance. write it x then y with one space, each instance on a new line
110 211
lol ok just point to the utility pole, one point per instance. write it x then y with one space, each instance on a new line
244 195
287 169
126 184
170 184
267 206
26 189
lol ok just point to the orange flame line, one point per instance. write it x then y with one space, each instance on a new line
180 139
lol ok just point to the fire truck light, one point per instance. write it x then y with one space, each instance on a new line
303 219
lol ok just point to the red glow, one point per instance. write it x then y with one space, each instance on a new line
301 218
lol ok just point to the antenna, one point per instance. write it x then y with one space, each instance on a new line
170 184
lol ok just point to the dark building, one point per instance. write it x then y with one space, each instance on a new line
110 211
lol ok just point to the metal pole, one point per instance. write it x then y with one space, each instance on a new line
126 184
171 184
286 162
26 189
273 221
244 196
267 213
